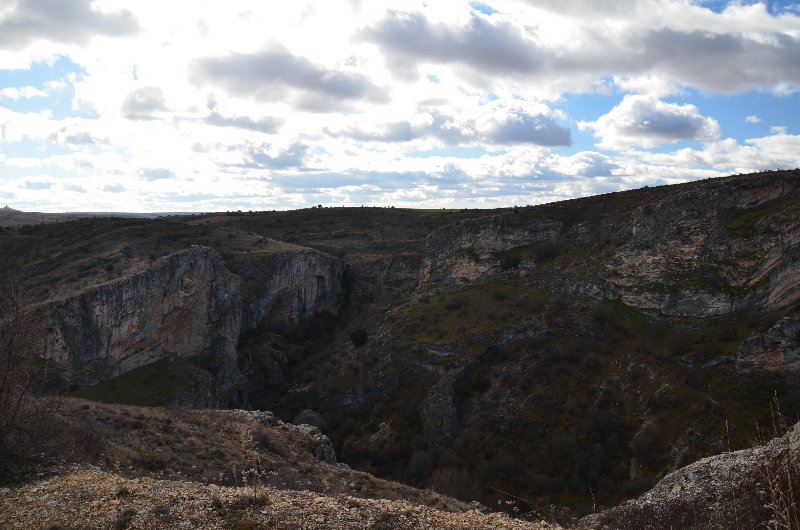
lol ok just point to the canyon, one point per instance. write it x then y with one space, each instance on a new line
572 353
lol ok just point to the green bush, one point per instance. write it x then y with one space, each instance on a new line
359 337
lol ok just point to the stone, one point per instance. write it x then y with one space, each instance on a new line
185 304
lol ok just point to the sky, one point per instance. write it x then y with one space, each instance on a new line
155 106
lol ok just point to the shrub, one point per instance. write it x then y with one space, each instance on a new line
646 439
509 261
455 303
545 251
359 337
124 519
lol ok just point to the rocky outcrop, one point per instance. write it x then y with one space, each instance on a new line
711 250
183 305
439 413
318 444
777 349
285 285
464 252
741 489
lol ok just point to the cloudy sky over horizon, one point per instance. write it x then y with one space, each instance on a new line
197 106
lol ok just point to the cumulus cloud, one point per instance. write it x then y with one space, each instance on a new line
481 44
268 125
720 61
637 44
144 104
263 157
586 8
651 85
37 185
642 121
437 103
114 188
156 173
495 125
586 164
277 74
75 136
25 92
752 119
520 128
778 150
61 21
76 188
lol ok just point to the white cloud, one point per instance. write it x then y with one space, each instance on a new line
275 73
490 124
777 151
144 103
643 121
752 119
25 92
571 44
653 85
277 105
60 21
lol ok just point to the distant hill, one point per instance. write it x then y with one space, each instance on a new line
11 217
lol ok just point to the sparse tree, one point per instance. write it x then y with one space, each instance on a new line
16 377
25 420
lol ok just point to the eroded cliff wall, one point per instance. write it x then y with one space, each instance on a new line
186 304
713 249
285 285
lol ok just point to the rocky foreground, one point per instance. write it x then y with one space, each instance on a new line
82 497
751 488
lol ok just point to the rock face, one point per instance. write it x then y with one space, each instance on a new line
778 349
713 249
462 253
185 304
439 412
286 285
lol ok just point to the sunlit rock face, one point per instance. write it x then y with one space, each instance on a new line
186 304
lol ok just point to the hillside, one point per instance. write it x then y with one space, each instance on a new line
572 353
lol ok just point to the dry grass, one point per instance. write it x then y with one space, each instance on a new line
211 447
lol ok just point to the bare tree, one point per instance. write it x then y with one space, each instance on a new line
24 419
16 375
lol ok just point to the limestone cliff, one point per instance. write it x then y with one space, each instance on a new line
284 285
777 349
185 304
464 252
712 249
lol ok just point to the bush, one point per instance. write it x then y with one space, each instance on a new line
646 439
455 303
359 337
